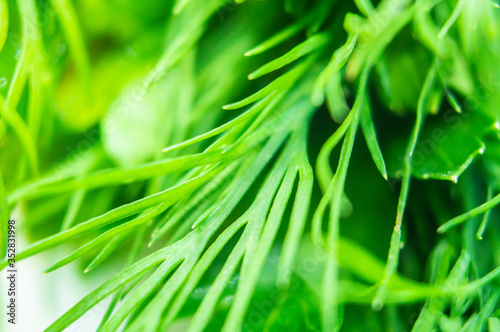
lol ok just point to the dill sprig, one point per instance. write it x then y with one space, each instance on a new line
196 193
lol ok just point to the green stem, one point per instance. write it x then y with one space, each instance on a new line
395 245
472 213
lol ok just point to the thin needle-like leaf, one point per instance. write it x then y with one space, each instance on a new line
108 236
69 21
106 252
4 22
238 120
23 133
278 38
249 276
451 20
368 128
338 60
472 213
165 255
323 169
167 196
282 82
296 225
486 216
74 205
329 300
308 46
201 267
116 176
395 245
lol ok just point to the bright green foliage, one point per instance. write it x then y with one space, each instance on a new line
212 149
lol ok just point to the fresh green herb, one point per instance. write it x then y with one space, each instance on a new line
211 148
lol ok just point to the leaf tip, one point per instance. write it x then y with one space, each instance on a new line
317 99
50 269
377 305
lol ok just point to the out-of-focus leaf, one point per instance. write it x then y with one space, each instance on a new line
494 324
79 110
335 98
4 22
132 133
447 146
296 311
